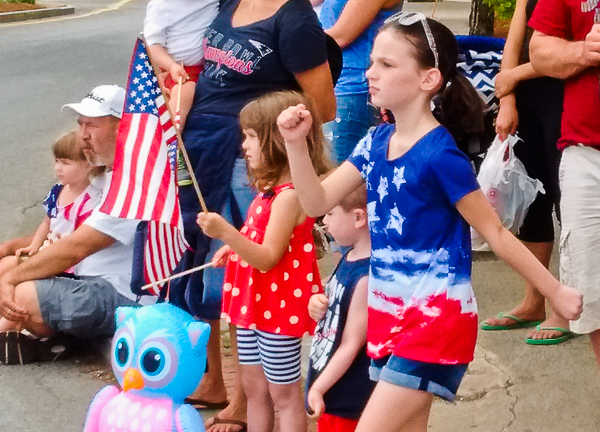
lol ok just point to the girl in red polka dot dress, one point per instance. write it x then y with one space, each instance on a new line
271 269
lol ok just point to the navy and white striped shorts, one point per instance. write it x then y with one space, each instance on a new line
279 355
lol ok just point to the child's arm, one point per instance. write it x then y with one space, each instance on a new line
316 198
317 306
285 215
161 58
478 212
316 2
10 247
353 340
38 239
220 257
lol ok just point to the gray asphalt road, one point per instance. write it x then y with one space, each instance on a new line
43 66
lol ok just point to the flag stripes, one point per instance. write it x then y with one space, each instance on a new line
143 185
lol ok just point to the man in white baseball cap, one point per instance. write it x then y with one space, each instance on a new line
33 297
104 100
99 115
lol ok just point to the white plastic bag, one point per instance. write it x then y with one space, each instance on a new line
506 185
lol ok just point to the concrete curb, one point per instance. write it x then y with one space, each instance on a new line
36 13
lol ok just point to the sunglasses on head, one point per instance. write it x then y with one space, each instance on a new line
407 19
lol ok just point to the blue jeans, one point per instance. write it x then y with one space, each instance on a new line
213 277
353 118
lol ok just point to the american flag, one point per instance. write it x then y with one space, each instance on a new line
143 183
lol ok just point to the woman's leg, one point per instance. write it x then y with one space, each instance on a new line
393 408
289 403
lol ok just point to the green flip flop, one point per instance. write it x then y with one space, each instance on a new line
518 323
566 335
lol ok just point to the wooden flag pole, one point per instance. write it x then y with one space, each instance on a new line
178 108
180 145
178 275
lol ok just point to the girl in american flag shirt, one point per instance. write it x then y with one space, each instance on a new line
422 196
69 202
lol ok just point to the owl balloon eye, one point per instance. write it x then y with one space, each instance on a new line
157 361
122 352
153 361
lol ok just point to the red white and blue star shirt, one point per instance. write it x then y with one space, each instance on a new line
421 303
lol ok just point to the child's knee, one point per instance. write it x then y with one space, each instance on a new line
286 395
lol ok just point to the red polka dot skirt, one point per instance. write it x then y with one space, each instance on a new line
275 301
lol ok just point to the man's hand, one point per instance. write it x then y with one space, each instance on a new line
8 308
212 224
591 46
315 403
317 306
220 257
294 124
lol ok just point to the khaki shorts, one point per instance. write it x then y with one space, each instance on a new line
579 176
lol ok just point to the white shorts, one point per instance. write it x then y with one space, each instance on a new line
579 176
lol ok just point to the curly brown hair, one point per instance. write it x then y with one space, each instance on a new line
261 115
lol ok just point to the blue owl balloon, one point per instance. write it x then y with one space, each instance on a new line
158 357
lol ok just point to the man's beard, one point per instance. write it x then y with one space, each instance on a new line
93 159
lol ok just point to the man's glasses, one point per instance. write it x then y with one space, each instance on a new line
409 18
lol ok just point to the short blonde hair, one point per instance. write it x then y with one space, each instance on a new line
357 199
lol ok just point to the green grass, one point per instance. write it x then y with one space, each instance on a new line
19 1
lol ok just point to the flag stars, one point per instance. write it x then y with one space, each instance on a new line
149 83
145 95
139 68
144 75
143 56
136 80
133 94
140 87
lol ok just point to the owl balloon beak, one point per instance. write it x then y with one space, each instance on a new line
132 380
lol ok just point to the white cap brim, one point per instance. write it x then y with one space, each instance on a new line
89 109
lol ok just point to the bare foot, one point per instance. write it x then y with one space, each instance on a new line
553 321
523 313
230 413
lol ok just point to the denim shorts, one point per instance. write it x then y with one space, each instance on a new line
440 379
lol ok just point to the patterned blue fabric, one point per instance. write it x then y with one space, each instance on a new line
50 204
479 60
420 295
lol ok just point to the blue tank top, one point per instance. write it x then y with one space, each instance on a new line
348 397
357 54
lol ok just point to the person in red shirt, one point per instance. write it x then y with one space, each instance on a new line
566 45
